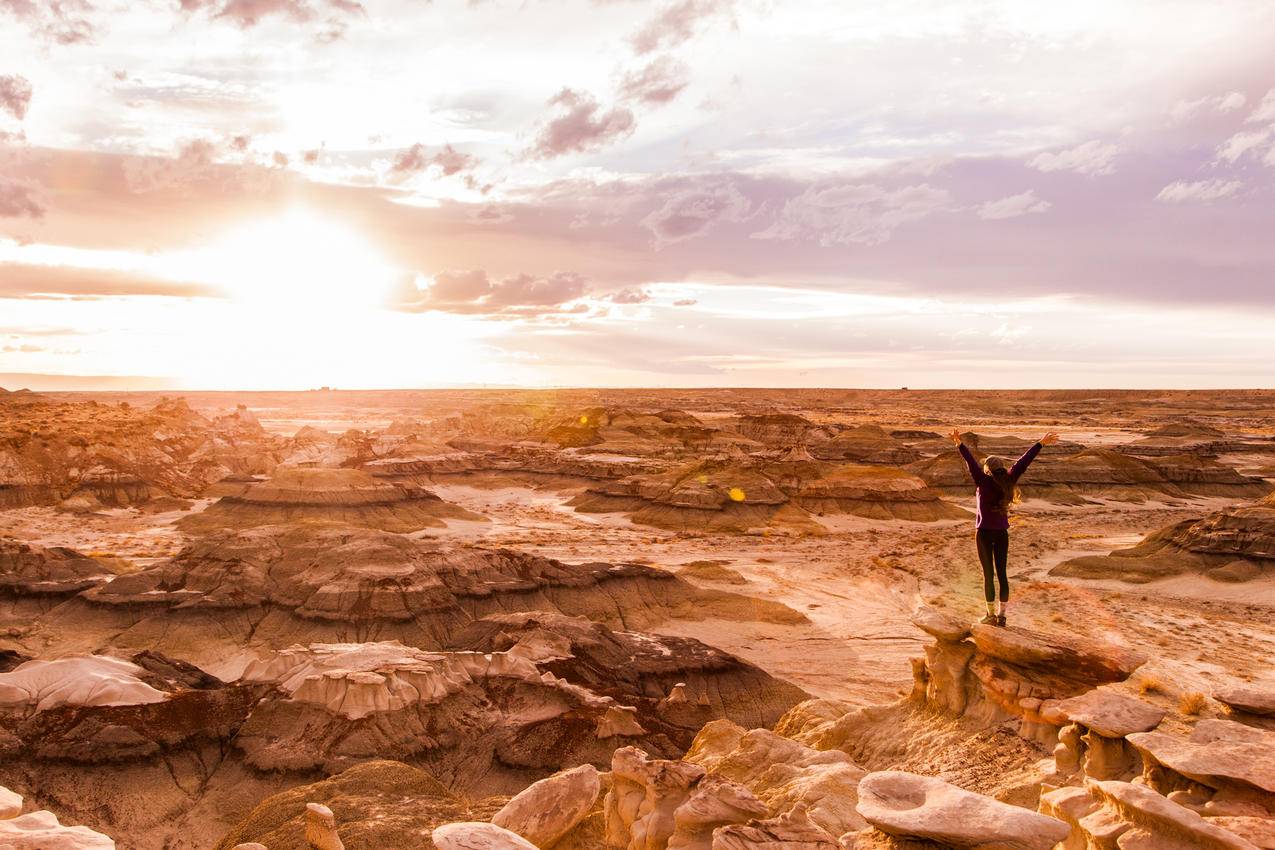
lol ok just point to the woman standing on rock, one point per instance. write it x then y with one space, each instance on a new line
996 490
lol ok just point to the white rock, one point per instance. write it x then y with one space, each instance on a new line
474 835
41 831
547 810
320 828
76 680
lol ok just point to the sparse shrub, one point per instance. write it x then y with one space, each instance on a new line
1191 702
1150 685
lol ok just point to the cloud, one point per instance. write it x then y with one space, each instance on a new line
659 82
692 212
60 21
1181 192
630 295
418 158
854 213
15 95
1013 206
249 13
25 347
18 199
473 291
581 126
1091 158
198 163
36 282
676 23
1242 143
1185 110
1265 111
685 302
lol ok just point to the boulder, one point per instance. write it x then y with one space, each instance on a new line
715 802
1078 657
550 808
10 804
912 806
940 624
475 835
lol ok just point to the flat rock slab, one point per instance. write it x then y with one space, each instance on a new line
1248 699
1111 713
1140 807
940 624
1065 656
1219 752
912 806
477 835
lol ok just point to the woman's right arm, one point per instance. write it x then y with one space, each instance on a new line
975 472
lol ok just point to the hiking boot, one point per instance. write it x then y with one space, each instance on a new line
990 620
1000 620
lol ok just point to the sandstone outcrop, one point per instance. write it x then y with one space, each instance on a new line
911 806
41 830
97 455
273 586
1235 544
866 444
30 570
476 835
641 670
347 496
1248 700
784 491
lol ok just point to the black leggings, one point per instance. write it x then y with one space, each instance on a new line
993 548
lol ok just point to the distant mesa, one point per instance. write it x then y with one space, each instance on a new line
1232 545
313 494
782 491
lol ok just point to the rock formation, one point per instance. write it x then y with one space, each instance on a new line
1069 478
866 444
94 455
40 830
779 492
1234 544
33 578
549 809
348 496
273 586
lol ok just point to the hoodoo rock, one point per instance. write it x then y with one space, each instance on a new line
42 831
347 496
780 492
912 806
1235 544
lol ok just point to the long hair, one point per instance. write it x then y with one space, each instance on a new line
995 467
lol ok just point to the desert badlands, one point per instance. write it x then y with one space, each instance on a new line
645 620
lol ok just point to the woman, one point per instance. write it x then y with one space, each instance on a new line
997 490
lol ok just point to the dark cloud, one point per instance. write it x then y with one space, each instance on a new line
693 211
60 21
659 82
18 199
15 95
581 125
677 22
475 292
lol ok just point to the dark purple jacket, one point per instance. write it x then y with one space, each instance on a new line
990 511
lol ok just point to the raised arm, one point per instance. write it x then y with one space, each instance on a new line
976 471
1020 465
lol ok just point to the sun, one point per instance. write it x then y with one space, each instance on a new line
300 259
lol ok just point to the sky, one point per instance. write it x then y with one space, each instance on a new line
287 194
